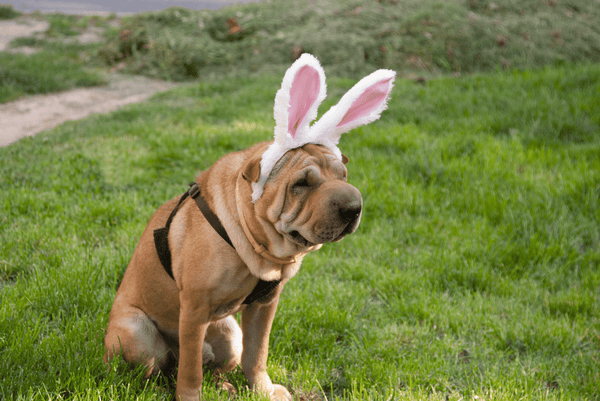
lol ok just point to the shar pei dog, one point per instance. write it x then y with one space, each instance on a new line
231 242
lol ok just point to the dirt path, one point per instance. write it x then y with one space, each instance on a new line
31 115
34 114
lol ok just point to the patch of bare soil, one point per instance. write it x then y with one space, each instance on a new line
13 29
31 115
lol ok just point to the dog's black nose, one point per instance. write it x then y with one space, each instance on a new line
350 210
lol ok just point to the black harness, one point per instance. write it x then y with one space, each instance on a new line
161 242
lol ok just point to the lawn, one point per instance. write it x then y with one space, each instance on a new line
43 72
474 274
59 63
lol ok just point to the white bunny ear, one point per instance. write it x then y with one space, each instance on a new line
296 105
361 105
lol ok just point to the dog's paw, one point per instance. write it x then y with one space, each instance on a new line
225 386
280 393
207 354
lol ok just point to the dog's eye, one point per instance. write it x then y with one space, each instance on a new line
302 183
306 180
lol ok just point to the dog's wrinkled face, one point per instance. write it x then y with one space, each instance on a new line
307 199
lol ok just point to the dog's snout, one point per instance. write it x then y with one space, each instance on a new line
340 214
348 204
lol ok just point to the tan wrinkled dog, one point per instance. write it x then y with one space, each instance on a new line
277 201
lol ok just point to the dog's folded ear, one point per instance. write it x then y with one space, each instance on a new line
251 171
345 159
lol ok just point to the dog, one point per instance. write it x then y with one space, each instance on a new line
230 244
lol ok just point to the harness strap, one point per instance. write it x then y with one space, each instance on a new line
212 218
262 289
161 242
161 239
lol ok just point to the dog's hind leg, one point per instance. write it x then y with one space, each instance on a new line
133 335
225 339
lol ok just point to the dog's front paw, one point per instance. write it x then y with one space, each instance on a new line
280 393
187 395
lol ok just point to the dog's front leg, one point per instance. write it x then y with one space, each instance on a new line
193 321
256 327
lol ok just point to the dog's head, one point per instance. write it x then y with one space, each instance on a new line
307 199
296 105
298 182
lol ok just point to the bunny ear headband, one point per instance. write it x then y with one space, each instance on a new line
296 103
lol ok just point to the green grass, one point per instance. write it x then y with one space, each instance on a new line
56 66
418 38
353 37
474 274
43 72
65 24
7 11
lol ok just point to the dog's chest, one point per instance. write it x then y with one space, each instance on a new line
228 297
227 309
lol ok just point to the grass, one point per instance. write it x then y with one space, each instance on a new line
418 38
352 37
57 64
43 72
474 273
7 11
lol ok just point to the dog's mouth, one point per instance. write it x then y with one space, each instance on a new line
297 238
319 233
321 238
340 237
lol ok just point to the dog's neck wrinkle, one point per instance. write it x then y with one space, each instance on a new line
263 221
258 248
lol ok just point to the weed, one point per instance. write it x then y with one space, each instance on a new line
64 24
7 11
419 39
354 37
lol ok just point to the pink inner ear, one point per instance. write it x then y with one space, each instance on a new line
371 98
303 94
